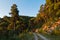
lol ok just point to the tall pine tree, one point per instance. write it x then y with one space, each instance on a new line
14 17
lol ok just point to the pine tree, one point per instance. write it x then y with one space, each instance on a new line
14 17
14 12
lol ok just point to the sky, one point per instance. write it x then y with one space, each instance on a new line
25 7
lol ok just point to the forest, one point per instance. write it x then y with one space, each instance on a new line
18 27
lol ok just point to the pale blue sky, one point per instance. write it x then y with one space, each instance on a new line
25 7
